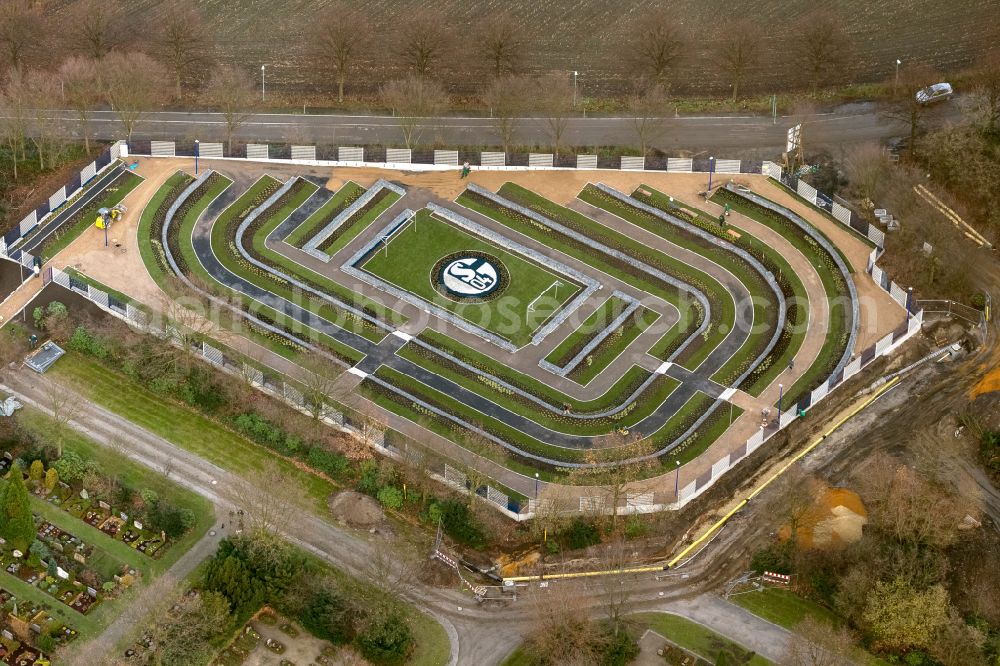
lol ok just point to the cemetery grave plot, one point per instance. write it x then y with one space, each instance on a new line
271 639
717 309
20 631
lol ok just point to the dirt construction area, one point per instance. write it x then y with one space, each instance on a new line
552 430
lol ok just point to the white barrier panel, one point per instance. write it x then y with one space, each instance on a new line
591 504
29 222
787 417
852 368
883 344
304 153
586 161
755 441
398 155
877 275
351 154
898 294
633 163
720 467
211 354
876 235
688 491
679 164
771 170
446 157
293 395
210 150
841 213
98 296
639 499
819 393
539 159
60 278
58 198
493 159
135 314
807 191
727 166
88 172
497 497
161 148
3 247
257 151
253 375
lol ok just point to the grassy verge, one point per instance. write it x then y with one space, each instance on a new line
613 346
826 214
784 607
114 293
184 427
79 223
353 226
695 637
301 234
591 326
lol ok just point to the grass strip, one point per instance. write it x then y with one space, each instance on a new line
613 346
343 198
591 327
361 220
698 639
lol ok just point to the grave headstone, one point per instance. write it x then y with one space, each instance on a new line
123 516
138 525
6 634
104 505
79 558
84 494
62 573
92 592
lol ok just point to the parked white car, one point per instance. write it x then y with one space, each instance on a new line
935 93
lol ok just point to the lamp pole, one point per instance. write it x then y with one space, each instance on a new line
909 302
677 480
262 82
197 151
536 485
575 73
711 168
896 84
781 394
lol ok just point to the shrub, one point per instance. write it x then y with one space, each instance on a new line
174 521
70 467
391 497
386 640
775 558
459 523
369 480
327 461
328 615
581 534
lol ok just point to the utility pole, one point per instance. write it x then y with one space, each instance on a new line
262 82
197 145
896 84
575 73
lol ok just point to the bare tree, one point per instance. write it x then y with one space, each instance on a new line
63 407
14 102
392 567
502 42
612 477
646 106
46 130
319 382
555 99
792 499
657 44
616 590
81 80
183 41
867 166
21 23
132 84
97 25
423 40
739 51
232 91
986 95
183 633
340 34
818 643
903 107
267 497
413 100
507 98
560 626
821 47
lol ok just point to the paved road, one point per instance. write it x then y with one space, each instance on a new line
478 635
737 136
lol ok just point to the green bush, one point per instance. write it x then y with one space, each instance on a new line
260 430
172 520
391 497
86 343
329 462
370 479
459 523
327 615
635 527
620 649
776 558
581 534
386 640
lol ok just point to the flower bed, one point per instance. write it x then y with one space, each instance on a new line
360 215
344 197
612 346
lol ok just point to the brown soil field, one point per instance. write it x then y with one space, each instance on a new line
589 36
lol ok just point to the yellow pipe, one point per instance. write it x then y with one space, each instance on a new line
722 521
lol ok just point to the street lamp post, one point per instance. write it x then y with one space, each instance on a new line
781 394
262 82
896 84
575 73
711 168
197 146
536 485
909 303
677 481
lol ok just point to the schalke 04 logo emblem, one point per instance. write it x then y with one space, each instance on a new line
470 277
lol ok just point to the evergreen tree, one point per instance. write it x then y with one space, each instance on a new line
16 523
51 479
36 471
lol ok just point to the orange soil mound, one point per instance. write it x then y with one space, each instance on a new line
834 521
988 384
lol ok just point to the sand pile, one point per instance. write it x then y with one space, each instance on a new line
356 509
836 520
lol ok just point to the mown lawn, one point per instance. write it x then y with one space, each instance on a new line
301 234
694 637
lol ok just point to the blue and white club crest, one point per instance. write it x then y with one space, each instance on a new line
470 276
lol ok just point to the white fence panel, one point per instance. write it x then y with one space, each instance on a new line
586 161
257 151
497 497
633 163
539 159
841 213
3 247
98 296
720 467
253 375
787 417
640 499
446 157
493 159
877 275
771 170
27 260
161 148
58 198
454 476
727 166
304 153
210 150
134 314
883 344
819 393
852 368
807 191
898 294
60 278
680 164
351 154
876 235
688 491
398 155
592 504
293 395
211 354
29 222
755 441
88 172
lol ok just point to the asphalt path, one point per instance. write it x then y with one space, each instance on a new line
737 136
